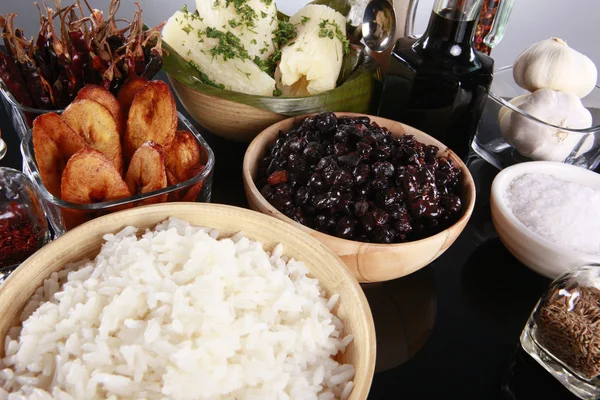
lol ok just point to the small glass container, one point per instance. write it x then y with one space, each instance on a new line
21 117
64 215
23 225
490 145
563 332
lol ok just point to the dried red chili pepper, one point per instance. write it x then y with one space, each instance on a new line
81 50
13 80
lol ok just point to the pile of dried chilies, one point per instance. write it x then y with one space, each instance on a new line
47 72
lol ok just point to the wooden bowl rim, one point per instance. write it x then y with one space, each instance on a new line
249 180
95 227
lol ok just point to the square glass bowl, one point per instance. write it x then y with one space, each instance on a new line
64 215
21 117
490 145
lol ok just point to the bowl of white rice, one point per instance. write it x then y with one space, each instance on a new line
185 301
547 214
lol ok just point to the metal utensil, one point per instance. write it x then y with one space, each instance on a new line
2 147
379 25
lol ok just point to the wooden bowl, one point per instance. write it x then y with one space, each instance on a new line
233 121
85 241
368 262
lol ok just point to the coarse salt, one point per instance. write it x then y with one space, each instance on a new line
565 213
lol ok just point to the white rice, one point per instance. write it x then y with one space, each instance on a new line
178 314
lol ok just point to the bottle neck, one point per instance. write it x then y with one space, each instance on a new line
447 30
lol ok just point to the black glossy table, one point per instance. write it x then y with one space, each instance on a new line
450 330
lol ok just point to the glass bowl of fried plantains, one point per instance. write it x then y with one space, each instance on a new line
105 154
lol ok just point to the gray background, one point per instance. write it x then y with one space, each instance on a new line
531 20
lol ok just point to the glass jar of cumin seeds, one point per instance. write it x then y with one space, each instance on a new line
563 331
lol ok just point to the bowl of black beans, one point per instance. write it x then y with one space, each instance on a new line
386 198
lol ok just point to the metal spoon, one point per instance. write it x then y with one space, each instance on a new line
2 149
379 25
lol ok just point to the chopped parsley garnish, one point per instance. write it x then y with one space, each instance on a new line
332 30
267 2
204 78
304 20
229 45
245 11
248 74
253 41
184 9
263 14
277 92
233 23
284 33
187 29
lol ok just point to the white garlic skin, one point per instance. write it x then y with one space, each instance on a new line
541 142
552 64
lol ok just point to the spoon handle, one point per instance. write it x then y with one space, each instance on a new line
410 18
2 148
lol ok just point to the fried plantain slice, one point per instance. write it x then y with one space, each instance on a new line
152 117
53 144
96 125
90 177
182 156
128 92
107 99
193 192
146 172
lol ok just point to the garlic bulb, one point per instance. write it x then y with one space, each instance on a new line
552 64
543 142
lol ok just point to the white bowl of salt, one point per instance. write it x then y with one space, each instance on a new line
547 214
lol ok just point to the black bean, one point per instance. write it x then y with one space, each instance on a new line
316 183
324 222
302 196
296 163
325 162
345 227
380 216
383 168
313 152
367 222
361 207
379 184
349 160
323 201
282 202
267 191
325 122
360 174
383 234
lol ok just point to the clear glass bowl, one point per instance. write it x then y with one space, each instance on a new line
21 117
23 226
64 215
491 146
563 331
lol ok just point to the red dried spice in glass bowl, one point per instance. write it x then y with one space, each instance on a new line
23 225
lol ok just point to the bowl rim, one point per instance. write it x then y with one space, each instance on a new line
8 96
249 180
509 174
504 103
45 256
26 147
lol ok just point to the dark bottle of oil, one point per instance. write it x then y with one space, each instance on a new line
439 83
